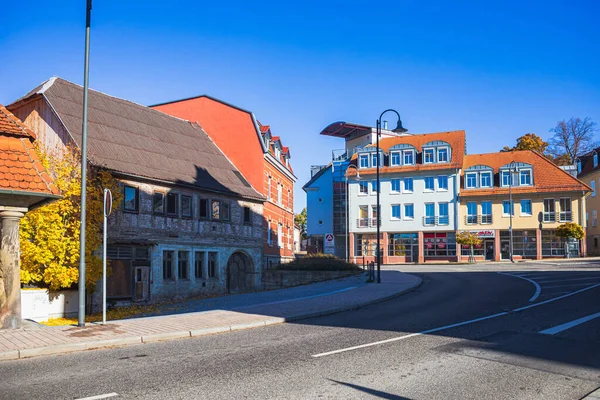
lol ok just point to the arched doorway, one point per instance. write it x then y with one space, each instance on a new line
238 266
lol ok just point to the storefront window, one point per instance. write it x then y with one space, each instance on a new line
403 244
554 246
366 245
439 244
524 243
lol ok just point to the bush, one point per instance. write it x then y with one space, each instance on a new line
319 262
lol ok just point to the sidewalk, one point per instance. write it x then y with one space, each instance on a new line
210 316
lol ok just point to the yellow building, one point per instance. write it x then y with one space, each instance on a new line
543 197
589 173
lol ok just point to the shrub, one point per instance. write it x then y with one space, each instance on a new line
319 262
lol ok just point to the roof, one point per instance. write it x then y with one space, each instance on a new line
21 171
587 163
456 139
264 128
344 129
316 176
547 176
129 138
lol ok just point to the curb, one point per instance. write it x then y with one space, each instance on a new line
160 337
595 395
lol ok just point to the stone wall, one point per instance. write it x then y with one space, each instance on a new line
279 279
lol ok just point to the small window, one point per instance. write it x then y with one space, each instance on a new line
216 209
374 187
168 265
395 185
203 208
428 156
269 189
213 259
183 261
186 206
595 160
374 162
593 186
525 177
508 208
131 200
486 179
443 155
395 158
172 200
363 188
505 178
409 157
320 222
526 207
280 194
578 166
247 215
429 183
408 185
471 180
158 203
364 161
409 211
395 211
225 214
443 183
199 264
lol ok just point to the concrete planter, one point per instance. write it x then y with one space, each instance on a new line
279 279
40 304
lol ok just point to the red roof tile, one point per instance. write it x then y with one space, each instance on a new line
12 126
264 128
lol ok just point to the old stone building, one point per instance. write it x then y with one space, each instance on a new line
189 222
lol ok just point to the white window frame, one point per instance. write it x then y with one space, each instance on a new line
399 207
376 156
524 214
511 208
371 187
412 185
488 173
521 174
280 234
425 189
392 191
279 194
467 180
362 184
425 151
395 153
447 154
502 173
405 153
361 157
405 215
439 188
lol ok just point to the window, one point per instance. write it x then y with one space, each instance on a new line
595 160
594 218
429 184
443 214
508 208
549 210
363 187
395 158
409 211
366 245
279 235
279 194
471 212
247 215
269 232
168 265
526 207
486 212
525 177
225 214
186 206
442 155
408 185
131 200
486 179
199 264
213 258
429 214
374 188
375 215
374 160
565 210
172 200
409 157
203 208
443 183
363 216
593 186
505 178
396 211
158 203
578 166
439 244
269 189
428 156
364 160
216 209
183 264
471 180
395 185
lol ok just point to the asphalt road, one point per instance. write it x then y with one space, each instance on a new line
466 333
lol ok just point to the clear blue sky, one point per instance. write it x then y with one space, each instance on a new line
498 71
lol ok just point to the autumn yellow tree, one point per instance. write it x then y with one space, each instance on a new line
529 141
50 234
468 239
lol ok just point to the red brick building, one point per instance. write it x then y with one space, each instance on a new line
260 157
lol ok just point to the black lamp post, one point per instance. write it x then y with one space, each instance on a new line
399 129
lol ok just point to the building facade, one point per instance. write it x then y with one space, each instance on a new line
189 223
588 171
259 156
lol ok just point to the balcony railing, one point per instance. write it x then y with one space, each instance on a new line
478 219
563 216
437 220
366 223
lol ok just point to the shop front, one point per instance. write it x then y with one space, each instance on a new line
524 244
483 251
439 246
554 246
403 248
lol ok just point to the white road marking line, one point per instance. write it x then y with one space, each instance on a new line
453 325
571 279
100 396
568 325
569 285
298 299
538 289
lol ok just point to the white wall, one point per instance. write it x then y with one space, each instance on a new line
319 205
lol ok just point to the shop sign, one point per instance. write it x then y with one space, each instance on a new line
488 233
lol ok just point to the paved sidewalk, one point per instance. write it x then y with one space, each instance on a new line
226 314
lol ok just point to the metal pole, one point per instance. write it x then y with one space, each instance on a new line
510 213
104 260
81 316
347 220
378 208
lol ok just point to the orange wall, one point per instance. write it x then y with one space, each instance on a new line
231 129
275 213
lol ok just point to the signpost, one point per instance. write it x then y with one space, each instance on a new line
108 199
329 245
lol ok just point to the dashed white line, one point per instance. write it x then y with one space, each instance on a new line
538 289
100 396
568 325
441 328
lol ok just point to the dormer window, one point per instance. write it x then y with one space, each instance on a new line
364 160
525 177
595 159
374 161
479 176
395 158
486 179
516 174
409 157
505 178
471 180
428 156
442 154
277 152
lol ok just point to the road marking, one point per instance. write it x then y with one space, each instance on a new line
569 285
298 299
568 325
100 396
538 289
571 279
441 328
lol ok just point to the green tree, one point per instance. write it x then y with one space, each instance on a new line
468 239
300 220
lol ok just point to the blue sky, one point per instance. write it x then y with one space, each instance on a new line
497 70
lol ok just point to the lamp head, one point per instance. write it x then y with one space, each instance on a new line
399 128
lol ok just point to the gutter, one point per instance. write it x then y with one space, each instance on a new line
46 197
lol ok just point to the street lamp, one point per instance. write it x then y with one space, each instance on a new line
512 168
348 210
399 129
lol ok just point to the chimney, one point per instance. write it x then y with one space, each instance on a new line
385 125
